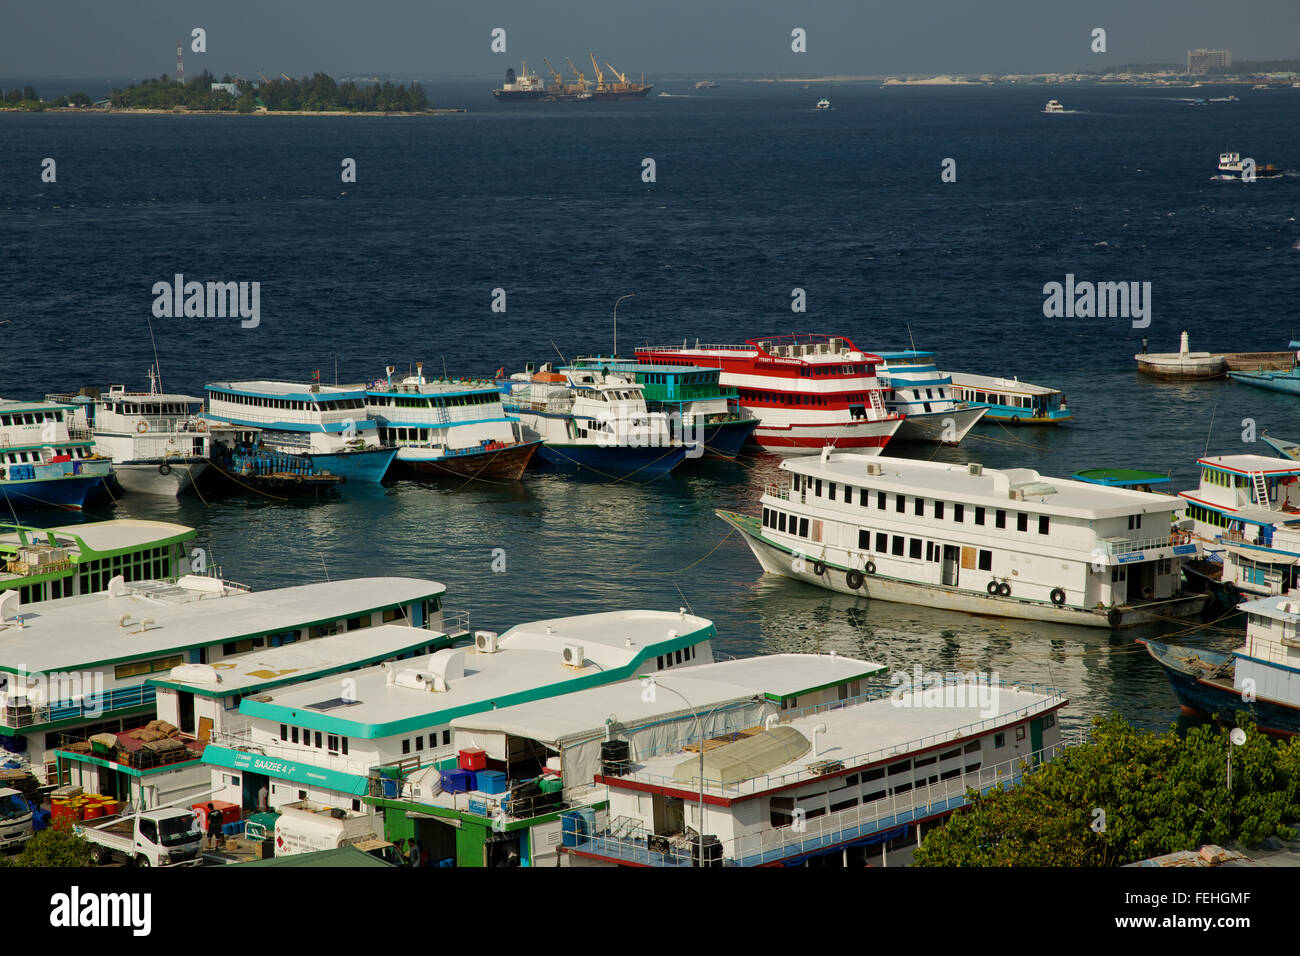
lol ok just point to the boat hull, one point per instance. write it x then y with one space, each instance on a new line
864 437
360 467
69 493
613 461
725 440
942 428
148 478
1273 381
1199 693
776 559
508 463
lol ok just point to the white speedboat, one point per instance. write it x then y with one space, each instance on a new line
823 104
1053 106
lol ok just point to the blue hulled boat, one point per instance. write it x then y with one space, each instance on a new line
41 465
1286 381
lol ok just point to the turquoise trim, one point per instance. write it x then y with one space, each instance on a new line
283 769
361 425
123 768
313 398
281 714
402 423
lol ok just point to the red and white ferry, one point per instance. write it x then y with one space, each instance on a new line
807 391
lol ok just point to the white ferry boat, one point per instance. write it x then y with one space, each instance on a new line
1246 513
1054 106
158 442
44 564
807 391
917 390
823 104
595 421
160 762
308 743
449 428
1011 401
853 780
1262 677
82 664
1007 543
326 422
548 753
41 464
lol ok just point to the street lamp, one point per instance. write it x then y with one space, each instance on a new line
700 726
620 299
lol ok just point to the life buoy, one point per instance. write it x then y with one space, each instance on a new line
164 469
1113 617
142 427
202 425
854 579
1058 596
869 567
818 568
993 587
1004 589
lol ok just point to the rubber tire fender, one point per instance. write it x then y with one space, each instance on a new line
164 469
854 579
992 587
819 568
1113 617
1058 597
869 567
1004 589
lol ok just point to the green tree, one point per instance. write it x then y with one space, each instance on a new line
1127 795
53 846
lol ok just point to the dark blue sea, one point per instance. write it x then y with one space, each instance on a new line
756 194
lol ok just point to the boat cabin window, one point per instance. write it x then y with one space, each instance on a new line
882 542
1000 519
938 509
1022 521
986 560
1134 521
1043 524
900 503
880 500
959 513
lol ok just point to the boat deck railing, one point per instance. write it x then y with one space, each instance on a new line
1144 544
628 839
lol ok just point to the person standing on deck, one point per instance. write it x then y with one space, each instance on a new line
262 802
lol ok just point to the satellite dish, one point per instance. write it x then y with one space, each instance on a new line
1237 736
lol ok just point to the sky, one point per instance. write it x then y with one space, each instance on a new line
129 38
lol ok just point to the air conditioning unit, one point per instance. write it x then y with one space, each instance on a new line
1016 494
485 642
873 468
573 655
975 469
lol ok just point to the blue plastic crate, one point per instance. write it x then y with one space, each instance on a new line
491 781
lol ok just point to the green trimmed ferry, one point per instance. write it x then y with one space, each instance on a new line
44 564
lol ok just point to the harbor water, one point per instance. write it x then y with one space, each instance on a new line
756 194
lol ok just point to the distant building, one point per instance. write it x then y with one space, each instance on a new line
231 88
1202 61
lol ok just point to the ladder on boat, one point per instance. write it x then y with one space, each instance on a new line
1261 489
878 404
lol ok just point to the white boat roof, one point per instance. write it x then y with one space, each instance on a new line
35 405
1043 495
865 730
583 713
527 666
1245 464
100 536
409 386
302 660
999 384
84 631
266 387
1279 607
145 397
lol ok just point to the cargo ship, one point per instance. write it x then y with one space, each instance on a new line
529 87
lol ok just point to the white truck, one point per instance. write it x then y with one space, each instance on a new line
305 826
162 837
15 819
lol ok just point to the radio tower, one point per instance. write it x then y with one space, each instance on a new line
180 64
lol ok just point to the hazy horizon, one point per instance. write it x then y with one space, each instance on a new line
137 38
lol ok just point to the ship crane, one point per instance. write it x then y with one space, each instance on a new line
600 77
622 77
582 79
555 75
